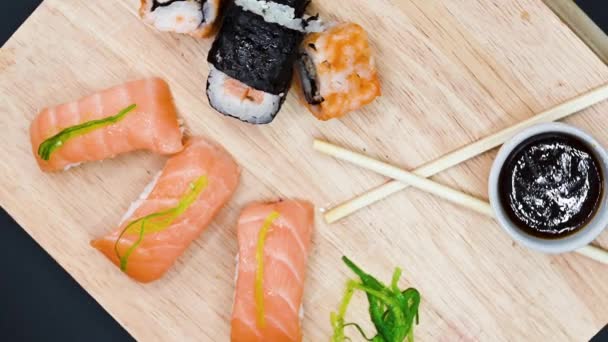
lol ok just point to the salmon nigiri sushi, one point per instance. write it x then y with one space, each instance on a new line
274 242
138 115
174 210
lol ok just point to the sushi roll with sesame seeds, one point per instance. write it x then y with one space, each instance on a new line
336 71
251 60
194 17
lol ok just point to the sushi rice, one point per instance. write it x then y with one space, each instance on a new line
255 112
283 15
142 197
71 166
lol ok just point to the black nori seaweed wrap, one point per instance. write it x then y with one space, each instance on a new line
255 52
298 5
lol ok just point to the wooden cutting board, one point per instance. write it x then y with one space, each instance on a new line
453 71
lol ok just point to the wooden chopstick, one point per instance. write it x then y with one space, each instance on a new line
439 190
595 253
424 184
467 152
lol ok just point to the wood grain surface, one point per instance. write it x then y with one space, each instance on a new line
453 71
582 25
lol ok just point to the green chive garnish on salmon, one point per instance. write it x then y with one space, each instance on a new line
172 211
259 272
53 143
159 221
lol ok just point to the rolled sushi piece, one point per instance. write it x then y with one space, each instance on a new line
251 63
337 72
193 17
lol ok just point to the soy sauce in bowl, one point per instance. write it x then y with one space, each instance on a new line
551 185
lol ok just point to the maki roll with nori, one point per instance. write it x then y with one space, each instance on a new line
252 58
256 52
193 17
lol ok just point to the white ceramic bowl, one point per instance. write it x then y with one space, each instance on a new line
567 244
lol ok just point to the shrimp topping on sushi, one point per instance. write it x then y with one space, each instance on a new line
337 71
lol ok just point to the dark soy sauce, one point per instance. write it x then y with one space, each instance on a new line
551 185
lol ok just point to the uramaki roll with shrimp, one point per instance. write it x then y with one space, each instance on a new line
336 71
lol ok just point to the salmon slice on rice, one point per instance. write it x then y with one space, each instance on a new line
274 242
173 211
151 124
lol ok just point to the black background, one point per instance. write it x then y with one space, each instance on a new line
39 301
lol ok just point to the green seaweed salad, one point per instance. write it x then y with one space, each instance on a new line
392 310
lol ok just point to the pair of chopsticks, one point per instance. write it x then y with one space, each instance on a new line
417 178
